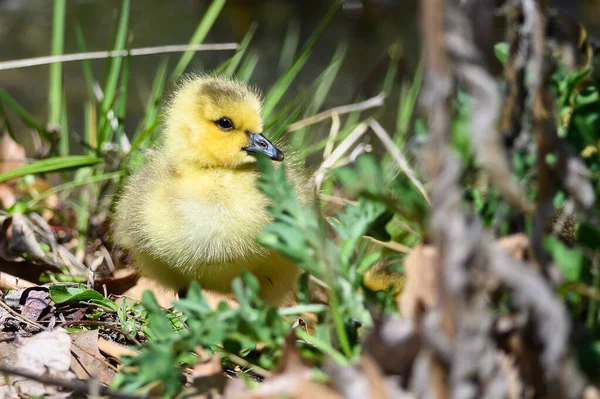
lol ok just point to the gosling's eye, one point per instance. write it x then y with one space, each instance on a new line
224 124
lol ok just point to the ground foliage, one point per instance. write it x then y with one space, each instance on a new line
482 282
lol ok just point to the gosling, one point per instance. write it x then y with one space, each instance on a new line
193 211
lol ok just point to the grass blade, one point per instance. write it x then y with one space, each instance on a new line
121 106
408 102
151 116
282 85
201 31
89 127
55 88
290 45
25 116
86 65
229 67
390 75
51 165
325 81
63 144
74 184
247 68
112 78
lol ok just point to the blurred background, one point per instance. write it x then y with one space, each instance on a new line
372 28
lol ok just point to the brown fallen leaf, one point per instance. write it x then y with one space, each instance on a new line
8 352
207 376
421 289
37 303
517 246
292 379
20 237
12 154
7 196
48 352
33 303
86 361
364 380
393 343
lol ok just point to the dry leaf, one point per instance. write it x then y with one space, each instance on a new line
7 196
20 238
31 302
87 362
48 352
517 246
291 380
37 303
365 380
12 154
394 344
421 290
207 376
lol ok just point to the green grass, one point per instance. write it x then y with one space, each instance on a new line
378 200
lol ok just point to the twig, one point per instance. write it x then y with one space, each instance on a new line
72 385
8 281
398 157
373 102
94 55
101 324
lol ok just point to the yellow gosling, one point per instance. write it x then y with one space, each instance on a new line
193 211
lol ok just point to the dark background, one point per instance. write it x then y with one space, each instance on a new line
370 26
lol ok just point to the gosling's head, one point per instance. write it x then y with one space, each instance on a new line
216 122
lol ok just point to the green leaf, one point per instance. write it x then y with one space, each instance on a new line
64 293
501 51
569 261
159 325
55 164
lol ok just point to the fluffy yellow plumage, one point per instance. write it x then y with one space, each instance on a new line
193 210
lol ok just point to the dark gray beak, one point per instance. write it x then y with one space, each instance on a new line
259 143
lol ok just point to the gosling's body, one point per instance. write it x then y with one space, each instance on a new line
193 211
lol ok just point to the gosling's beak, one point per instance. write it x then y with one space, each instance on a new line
259 143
